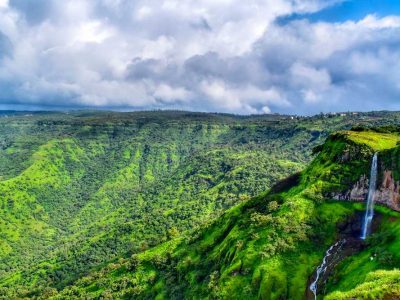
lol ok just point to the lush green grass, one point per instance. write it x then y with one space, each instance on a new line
267 247
381 284
238 257
361 275
376 140
83 192
339 164
251 252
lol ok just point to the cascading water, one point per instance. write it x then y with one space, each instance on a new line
369 213
324 265
332 255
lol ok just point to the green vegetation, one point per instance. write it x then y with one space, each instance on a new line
265 248
380 284
164 204
372 273
251 252
376 140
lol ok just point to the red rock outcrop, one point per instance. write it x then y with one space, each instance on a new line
387 193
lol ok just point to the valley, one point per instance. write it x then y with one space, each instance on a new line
172 205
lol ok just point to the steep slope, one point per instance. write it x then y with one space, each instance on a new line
382 284
108 186
373 272
81 189
25 210
269 246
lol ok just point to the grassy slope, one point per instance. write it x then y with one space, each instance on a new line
24 215
372 273
381 284
111 185
376 140
238 257
263 249
95 207
369 274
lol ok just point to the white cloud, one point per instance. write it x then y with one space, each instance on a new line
3 4
171 94
374 22
310 77
92 32
246 99
143 12
226 55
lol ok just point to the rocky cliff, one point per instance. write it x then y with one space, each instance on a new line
388 191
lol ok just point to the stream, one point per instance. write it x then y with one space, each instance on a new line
345 247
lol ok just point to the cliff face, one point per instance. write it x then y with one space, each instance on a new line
387 193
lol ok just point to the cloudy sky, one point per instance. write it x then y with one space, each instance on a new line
235 56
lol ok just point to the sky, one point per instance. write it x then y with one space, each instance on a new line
232 56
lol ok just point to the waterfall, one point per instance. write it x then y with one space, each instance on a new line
325 264
369 213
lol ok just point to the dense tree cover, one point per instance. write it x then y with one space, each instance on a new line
264 248
82 189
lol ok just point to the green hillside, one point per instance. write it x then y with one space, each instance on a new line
266 248
164 204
